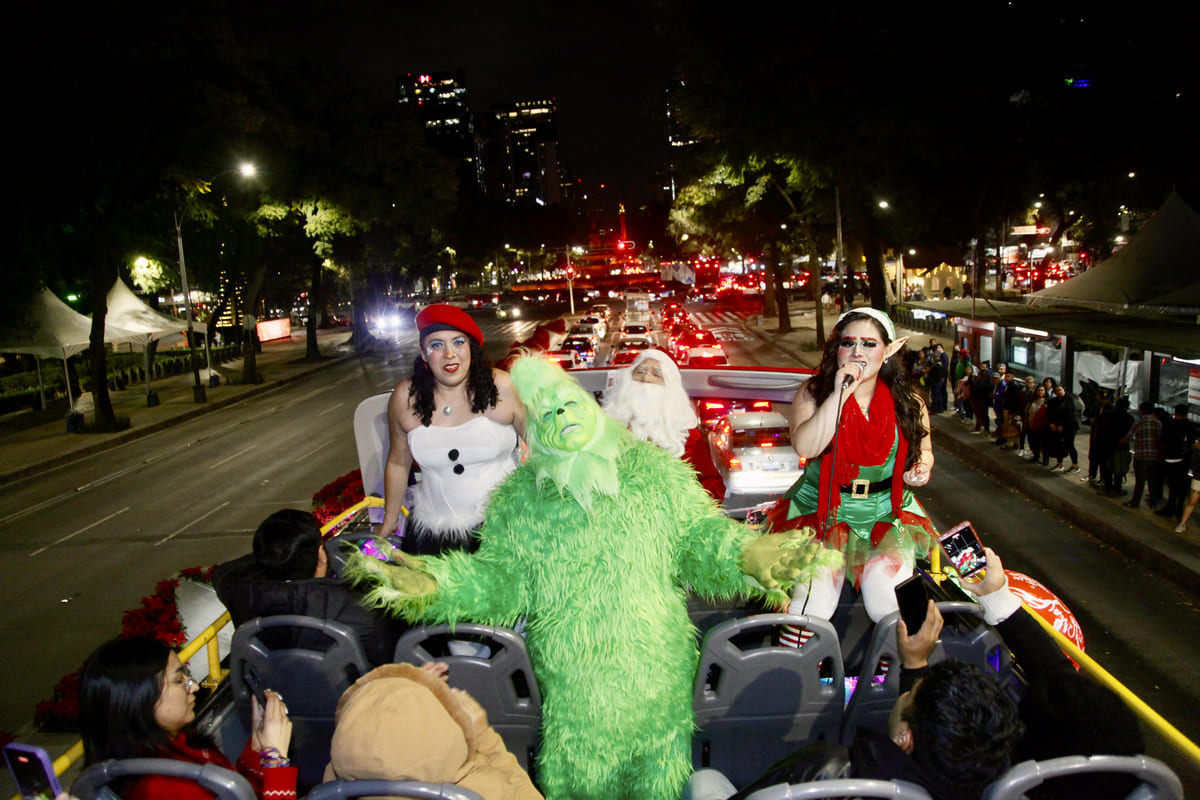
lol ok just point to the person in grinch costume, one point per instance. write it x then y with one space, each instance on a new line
596 541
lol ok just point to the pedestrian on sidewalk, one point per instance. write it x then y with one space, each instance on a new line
1036 417
1028 393
1177 443
1063 426
1194 497
1120 458
981 398
1095 455
1147 455
963 372
1014 405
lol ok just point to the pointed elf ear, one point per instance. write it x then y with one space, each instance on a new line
895 347
904 739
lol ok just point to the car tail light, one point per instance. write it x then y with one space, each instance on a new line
766 443
714 405
761 405
735 462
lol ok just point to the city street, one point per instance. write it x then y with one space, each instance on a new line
84 542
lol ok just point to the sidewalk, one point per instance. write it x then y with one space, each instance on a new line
32 442
1138 533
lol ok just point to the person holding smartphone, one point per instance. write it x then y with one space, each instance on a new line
137 700
865 434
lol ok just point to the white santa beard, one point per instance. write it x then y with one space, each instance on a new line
645 409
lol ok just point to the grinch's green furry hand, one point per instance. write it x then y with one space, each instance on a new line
776 562
400 585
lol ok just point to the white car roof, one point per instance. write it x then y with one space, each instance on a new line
747 420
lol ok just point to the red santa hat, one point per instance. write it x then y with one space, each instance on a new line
442 317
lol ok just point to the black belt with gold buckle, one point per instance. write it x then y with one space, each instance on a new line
862 488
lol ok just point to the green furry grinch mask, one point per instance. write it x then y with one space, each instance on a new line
573 443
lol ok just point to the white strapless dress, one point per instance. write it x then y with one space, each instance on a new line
459 468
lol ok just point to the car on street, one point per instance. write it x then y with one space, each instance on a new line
585 332
585 347
596 322
627 349
703 357
694 338
753 452
567 359
635 330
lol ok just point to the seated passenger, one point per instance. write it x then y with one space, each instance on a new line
401 722
136 701
952 731
1065 713
649 399
287 574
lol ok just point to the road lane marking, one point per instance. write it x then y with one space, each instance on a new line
190 524
81 530
314 450
331 408
227 459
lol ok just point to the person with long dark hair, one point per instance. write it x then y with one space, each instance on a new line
137 700
865 434
457 418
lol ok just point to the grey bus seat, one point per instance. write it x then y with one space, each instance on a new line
502 681
964 637
363 788
310 662
845 787
1156 780
756 701
92 783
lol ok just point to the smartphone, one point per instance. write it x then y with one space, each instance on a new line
913 599
964 550
370 547
255 687
32 771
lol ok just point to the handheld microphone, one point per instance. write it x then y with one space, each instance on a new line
847 380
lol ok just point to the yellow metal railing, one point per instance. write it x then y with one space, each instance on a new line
1151 717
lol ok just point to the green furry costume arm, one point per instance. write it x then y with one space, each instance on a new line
719 557
484 587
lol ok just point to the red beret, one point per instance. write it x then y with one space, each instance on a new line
447 318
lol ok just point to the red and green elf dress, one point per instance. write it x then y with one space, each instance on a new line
865 511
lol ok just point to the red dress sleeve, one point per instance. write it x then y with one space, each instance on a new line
278 783
696 453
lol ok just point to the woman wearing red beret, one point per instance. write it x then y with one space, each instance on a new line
459 419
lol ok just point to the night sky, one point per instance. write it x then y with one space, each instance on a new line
601 62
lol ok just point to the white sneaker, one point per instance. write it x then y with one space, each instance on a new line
1181 527
1022 453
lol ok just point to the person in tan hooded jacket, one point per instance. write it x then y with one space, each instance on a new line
401 722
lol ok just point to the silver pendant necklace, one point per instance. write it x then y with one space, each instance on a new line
447 410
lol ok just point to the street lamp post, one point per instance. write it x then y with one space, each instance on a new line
198 393
246 170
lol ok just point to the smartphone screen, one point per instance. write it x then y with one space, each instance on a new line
964 550
914 602
32 771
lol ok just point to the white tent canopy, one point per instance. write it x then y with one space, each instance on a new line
58 331
126 311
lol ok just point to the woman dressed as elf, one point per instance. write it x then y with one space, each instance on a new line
865 434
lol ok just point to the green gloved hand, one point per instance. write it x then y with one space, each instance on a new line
776 562
400 585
